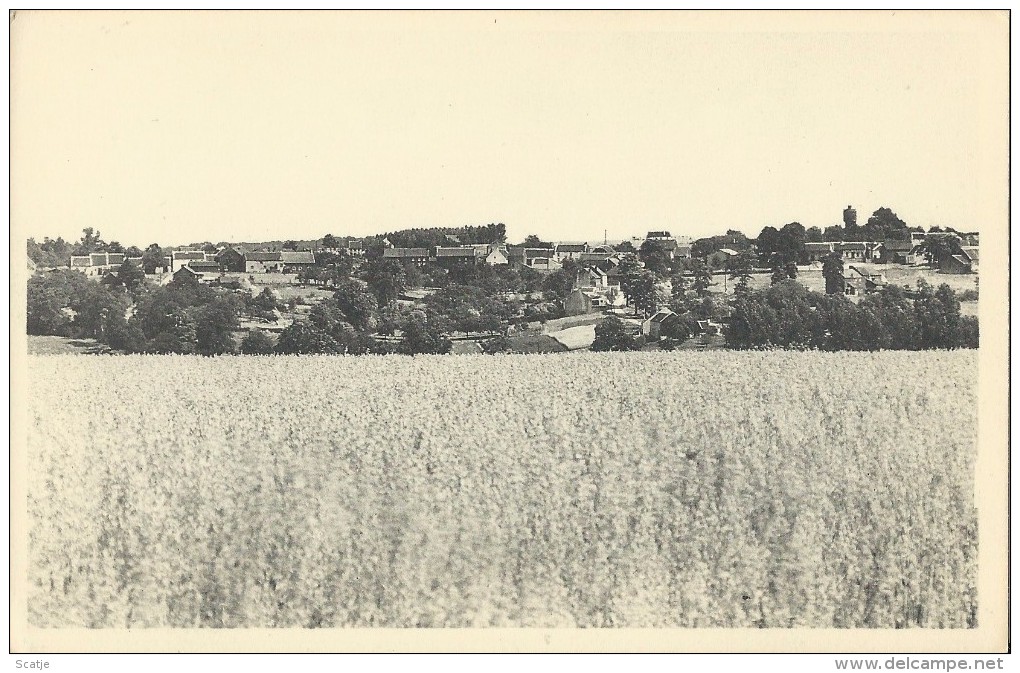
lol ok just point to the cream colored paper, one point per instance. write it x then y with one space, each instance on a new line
984 125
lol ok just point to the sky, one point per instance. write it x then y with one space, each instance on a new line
178 127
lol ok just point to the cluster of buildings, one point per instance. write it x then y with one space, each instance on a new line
493 254
964 258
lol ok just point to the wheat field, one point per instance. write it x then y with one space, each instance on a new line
715 489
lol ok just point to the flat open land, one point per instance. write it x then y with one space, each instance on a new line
587 489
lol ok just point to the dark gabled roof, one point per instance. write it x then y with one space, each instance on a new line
188 254
659 234
661 315
405 252
853 245
97 259
263 257
962 259
456 252
572 247
81 261
818 247
970 251
203 265
115 258
292 257
898 246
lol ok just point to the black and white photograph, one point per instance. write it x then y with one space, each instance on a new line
509 330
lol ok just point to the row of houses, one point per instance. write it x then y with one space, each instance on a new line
493 254
910 252
227 259
102 263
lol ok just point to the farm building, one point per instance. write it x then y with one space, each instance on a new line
96 263
579 302
449 257
653 326
294 261
415 256
964 262
231 259
204 267
859 251
263 262
496 256
895 252
570 251
186 272
816 251
180 258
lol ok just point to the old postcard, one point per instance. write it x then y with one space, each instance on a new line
509 331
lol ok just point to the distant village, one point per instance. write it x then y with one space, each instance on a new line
548 281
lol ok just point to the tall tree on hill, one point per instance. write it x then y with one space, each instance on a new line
330 242
90 242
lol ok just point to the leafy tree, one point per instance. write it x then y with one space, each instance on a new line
938 316
832 271
702 276
739 267
91 305
625 247
533 241
328 318
50 253
425 333
611 335
256 342
678 293
885 224
215 323
122 335
778 273
290 245
152 258
938 247
130 276
654 256
90 242
179 337
814 235
357 303
49 301
835 233
133 251
559 283
385 279
302 338
330 242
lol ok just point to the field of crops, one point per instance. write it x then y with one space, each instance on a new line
584 489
